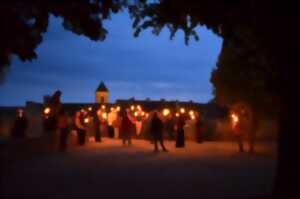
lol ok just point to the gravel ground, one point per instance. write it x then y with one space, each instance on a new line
110 170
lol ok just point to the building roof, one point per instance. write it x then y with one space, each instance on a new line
102 87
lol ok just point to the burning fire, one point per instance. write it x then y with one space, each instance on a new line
182 110
166 112
104 115
47 111
132 107
234 118
86 120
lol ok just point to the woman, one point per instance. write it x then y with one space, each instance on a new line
79 123
63 125
180 131
126 127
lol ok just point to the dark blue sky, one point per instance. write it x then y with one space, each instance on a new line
147 66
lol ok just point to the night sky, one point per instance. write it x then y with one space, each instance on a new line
147 66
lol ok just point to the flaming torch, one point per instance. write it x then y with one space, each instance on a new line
47 111
166 112
104 115
234 119
182 110
86 120
132 107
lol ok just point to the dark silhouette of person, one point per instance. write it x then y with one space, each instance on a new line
63 125
20 125
126 128
97 127
157 128
80 127
238 135
180 131
50 122
55 102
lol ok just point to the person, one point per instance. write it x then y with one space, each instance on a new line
97 126
79 123
157 132
51 120
126 127
63 126
116 124
110 119
20 125
180 131
238 134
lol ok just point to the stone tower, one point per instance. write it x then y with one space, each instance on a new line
102 93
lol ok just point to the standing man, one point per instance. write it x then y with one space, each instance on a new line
180 142
63 125
96 118
237 130
126 127
20 125
79 123
50 120
157 132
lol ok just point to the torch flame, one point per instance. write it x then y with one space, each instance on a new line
166 112
182 110
86 120
132 107
104 115
47 110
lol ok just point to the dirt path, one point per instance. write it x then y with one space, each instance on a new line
109 170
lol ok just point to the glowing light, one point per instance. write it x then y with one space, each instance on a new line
143 113
147 115
112 109
132 107
136 114
103 106
234 118
139 107
47 111
193 117
118 108
182 110
90 108
166 112
104 115
192 112
86 120
177 114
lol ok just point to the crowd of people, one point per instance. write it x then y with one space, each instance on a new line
124 124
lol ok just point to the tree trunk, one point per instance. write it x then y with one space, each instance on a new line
287 182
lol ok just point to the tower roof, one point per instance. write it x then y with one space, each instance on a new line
102 87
